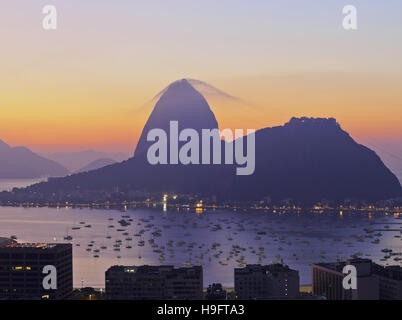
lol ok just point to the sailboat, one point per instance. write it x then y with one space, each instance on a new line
68 237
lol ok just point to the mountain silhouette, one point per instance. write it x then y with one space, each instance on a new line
205 89
307 159
75 161
179 102
22 163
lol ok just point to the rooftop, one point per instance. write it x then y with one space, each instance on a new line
338 266
272 268
4 241
16 245
364 266
152 269
390 272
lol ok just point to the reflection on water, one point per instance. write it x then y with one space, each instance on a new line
9 184
218 240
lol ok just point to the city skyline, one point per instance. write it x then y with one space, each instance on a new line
200 150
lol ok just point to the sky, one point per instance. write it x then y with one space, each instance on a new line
89 83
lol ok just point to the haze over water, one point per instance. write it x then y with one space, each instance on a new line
187 238
9 184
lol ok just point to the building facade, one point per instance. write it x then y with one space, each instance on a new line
154 283
22 270
390 282
275 281
328 280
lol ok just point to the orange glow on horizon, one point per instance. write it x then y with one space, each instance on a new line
114 120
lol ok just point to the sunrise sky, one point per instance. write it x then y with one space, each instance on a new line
89 84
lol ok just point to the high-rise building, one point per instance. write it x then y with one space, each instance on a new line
22 270
328 280
390 282
275 281
153 283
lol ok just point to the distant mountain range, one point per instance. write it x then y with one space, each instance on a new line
307 160
20 162
99 163
75 161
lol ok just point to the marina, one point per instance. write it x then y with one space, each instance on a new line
219 240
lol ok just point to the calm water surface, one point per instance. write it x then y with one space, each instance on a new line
219 240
